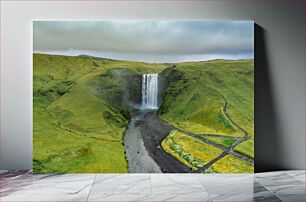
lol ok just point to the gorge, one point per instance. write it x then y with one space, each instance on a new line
138 158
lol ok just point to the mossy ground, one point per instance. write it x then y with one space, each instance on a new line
227 142
246 147
190 151
231 164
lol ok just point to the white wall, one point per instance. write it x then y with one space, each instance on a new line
280 89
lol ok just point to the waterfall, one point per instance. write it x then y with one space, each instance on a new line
149 91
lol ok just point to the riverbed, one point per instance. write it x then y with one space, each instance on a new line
139 160
142 142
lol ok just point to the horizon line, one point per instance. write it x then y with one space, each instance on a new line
141 61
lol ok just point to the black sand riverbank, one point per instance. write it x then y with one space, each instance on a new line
139 160
153 131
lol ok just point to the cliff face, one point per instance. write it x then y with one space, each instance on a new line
120 88
133 89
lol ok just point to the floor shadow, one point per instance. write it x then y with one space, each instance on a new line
267 145
15 180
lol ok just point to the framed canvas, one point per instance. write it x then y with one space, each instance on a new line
143 96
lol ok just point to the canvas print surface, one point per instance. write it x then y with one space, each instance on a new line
143 96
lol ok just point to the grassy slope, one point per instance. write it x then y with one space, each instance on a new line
227 142
79 114
246 147
190 151
231 164
193 100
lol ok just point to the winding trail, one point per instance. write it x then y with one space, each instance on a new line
236 143
231 149
154 130
226 150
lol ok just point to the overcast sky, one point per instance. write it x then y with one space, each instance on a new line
156 41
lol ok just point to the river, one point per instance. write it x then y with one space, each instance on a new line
139 160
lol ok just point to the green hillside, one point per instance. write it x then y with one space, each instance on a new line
80 112
214 97
82 105
194 99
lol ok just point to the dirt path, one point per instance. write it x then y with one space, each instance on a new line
231 149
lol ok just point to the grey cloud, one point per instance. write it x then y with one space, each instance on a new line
145 37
